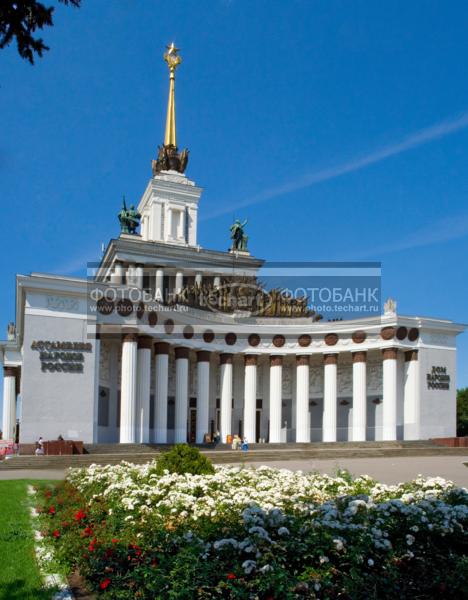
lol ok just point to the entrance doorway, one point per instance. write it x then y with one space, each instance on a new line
192 429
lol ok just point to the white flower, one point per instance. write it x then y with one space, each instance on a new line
249 566
338 544
266 568
283 531
410 539
370 562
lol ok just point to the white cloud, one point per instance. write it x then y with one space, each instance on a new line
419 138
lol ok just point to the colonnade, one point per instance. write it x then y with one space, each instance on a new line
135 393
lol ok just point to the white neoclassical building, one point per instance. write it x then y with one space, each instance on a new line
155 346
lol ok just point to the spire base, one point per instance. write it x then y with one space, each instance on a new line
170 159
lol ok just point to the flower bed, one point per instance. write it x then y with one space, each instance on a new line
266 533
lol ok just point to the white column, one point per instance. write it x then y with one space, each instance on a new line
179 282
217 282
412 399
302 399
118 273
226 395
131 275
203 394
359 396
139 277
181 395
198 279
389 406
9 403
145 345
160 388
128 389
276 383
250 397
329 397
159 286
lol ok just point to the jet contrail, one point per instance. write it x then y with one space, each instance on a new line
423 136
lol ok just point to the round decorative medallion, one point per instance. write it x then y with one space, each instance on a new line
152 318
413 334
140 311
304 340
279 341
387 333
331 339
401 333
188 332
169 326
254 339
208 336
230 339
359 336
125 307
105 307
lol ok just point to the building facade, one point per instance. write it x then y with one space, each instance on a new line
147 349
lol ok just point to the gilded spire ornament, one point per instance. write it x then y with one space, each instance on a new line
169 157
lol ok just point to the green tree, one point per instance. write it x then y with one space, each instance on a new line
462 411
19 19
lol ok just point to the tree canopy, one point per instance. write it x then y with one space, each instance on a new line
20 19
462 411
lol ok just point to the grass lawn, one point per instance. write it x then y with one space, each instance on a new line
19 574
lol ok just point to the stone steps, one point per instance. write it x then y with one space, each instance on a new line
144 448
259 453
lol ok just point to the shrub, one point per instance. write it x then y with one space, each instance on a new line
183 458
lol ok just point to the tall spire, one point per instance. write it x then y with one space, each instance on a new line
173 61
169 157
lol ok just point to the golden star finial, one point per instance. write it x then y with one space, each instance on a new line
172 58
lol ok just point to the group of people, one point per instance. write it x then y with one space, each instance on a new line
239 443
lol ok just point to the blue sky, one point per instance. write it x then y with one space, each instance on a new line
339 129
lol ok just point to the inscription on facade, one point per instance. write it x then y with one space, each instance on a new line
61 357
63 304
438 379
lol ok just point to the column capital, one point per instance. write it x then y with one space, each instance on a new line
161 348
411 355
250 360
330 359
145 342
359 357
10 371
130 336
275 360
302 360
389 353
226 358
203 356
181 352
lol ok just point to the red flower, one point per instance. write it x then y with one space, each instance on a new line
105 583
80 515
115 541
91 547
52 510
88 531
231 576
56 533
